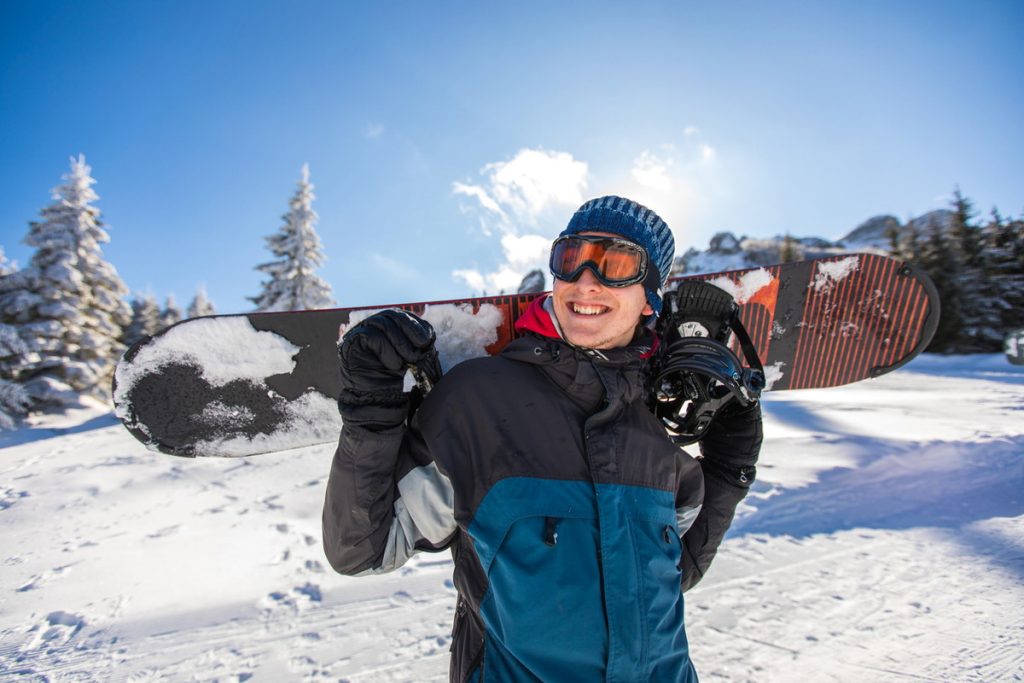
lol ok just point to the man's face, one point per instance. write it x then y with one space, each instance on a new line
595 316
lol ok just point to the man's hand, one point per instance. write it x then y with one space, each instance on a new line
733 442
375 355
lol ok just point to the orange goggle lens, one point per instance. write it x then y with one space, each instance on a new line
615 262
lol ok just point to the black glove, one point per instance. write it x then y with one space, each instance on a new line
375 355
733 442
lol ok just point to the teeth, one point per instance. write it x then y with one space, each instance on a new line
588 310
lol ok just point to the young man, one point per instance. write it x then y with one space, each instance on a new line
574 522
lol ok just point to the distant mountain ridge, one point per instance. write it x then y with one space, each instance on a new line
728 252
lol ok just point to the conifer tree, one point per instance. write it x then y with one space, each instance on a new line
14 400
937 259
981 313
1004 245
789 251
171 313
13 349
201 304
893 236
68 303
6 267
145 320
911 241
964 232
293 284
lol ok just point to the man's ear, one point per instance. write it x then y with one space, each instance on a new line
647 310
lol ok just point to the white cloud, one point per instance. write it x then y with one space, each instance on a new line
373 131
527 200
653 172
526 190
684 179
522 254
526 251
662 173
474 278
480 194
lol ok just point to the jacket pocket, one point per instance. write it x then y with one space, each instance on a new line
543 608
659 554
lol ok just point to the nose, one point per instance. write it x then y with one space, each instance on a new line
587 280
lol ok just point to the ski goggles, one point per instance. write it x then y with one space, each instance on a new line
616 262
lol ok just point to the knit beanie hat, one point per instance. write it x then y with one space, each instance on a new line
638 224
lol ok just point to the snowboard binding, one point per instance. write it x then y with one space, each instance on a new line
694 373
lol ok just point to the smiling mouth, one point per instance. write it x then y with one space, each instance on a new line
581 309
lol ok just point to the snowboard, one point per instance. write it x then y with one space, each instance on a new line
240 385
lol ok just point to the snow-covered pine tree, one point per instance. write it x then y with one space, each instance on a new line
893 235
1004 245
911 242
68 304
14 400
980 315
171 313
145 319
937 258
13 350
6 267
201 304
15 291
293 284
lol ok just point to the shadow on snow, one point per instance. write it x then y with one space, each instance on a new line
899 485
27 434
993 367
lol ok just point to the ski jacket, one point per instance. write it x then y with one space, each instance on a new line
574 522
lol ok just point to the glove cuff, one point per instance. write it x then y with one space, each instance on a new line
379 411
385 398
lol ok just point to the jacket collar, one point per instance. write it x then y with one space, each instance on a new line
588 376
539 319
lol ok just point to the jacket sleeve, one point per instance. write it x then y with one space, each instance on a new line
729 455
385 499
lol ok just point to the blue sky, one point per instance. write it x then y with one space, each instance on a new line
448 142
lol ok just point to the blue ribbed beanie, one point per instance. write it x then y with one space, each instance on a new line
637 223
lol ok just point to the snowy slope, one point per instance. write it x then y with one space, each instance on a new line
884 541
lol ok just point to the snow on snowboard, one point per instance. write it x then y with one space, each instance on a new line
238 385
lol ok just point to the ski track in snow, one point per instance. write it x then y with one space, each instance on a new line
883 541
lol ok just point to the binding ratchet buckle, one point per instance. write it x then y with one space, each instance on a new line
695 373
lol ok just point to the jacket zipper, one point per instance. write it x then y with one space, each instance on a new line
550 531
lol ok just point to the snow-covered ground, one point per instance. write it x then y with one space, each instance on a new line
884 541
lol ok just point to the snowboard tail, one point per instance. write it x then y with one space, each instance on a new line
830 322
238 385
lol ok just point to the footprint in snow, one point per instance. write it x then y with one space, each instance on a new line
40 579
55 630
8 497
297 599
270 504
166 531
402 598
